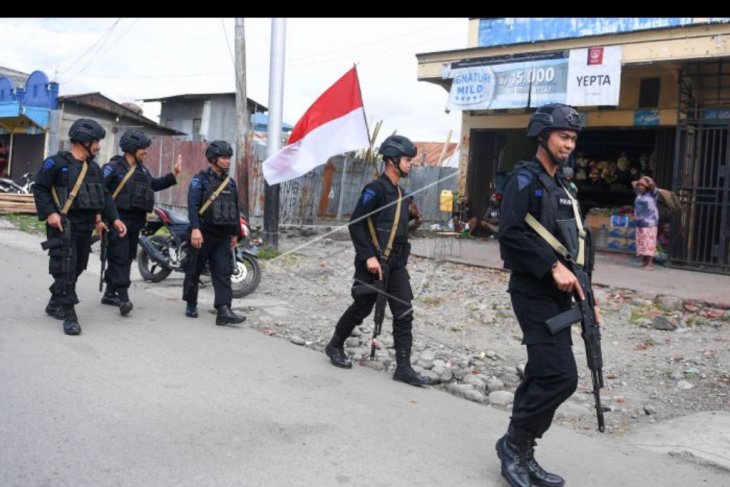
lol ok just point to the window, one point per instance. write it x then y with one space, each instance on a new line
649 93
168 122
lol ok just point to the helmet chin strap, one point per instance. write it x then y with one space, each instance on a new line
223 170
88 150
543 143
400 171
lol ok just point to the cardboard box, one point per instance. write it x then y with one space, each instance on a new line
598 221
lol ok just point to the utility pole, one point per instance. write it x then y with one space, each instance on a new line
276 96
241 160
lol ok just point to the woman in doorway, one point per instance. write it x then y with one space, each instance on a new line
646 215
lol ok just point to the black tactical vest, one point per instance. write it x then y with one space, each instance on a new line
383 219
552 206
224 209
91 193
137 194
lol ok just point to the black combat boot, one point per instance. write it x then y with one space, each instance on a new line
191 310
405 373
538 475
335 350
110 297
70 320
125 305
226 316
512 450
54 309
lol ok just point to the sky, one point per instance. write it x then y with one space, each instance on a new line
130 59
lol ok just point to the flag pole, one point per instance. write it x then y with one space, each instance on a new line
357 76
273 143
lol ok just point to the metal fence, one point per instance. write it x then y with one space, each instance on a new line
328 192
701 230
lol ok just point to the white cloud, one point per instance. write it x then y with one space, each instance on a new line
147 58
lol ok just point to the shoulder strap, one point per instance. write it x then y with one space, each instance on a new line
214 195
393 229
74 191
553 242
128 175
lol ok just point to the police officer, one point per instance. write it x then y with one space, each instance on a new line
378 202
540 287
69 191
133 189
215 225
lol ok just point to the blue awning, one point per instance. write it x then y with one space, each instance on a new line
14 114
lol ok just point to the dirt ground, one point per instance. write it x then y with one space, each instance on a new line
465 332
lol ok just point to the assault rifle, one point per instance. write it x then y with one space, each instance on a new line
591 333
381 287
103 256
191 279
63 241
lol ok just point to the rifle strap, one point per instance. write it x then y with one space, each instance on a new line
215 194
393 229
121 185
72 194
553 242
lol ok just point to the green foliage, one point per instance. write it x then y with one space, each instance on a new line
268 253
27 223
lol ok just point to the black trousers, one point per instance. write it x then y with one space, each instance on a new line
217 251
120 254
63 289
399 301
551 376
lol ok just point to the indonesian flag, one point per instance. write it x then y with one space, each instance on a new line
334 124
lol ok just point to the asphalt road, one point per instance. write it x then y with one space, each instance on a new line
157 399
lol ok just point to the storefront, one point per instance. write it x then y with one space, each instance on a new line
631 110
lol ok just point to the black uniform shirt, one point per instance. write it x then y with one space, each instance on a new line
54 172
115 170
376 194
205 182
524 252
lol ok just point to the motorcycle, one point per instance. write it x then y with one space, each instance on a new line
161 254
7 185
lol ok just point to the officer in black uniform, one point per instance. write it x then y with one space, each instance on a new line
214 233
134 197
378 202
54 185
540 287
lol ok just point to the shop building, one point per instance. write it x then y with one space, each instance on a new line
654 96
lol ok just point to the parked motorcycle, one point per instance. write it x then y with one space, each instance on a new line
7 185
160 255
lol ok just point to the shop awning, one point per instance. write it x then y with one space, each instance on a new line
14 115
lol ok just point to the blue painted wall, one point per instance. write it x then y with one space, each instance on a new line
37 91
506 30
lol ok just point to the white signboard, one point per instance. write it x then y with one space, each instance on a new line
594 76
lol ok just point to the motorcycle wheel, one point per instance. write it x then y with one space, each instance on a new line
149 269
246 276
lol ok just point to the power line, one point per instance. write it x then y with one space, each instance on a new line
103 36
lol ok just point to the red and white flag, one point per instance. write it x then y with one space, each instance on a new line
334 124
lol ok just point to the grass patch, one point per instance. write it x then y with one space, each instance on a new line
268 253
27 223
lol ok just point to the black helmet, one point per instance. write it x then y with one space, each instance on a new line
553 116
133 140
218 148
85 130
396 146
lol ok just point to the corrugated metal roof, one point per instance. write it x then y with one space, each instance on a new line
100 102
258 107
18 77
429 152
